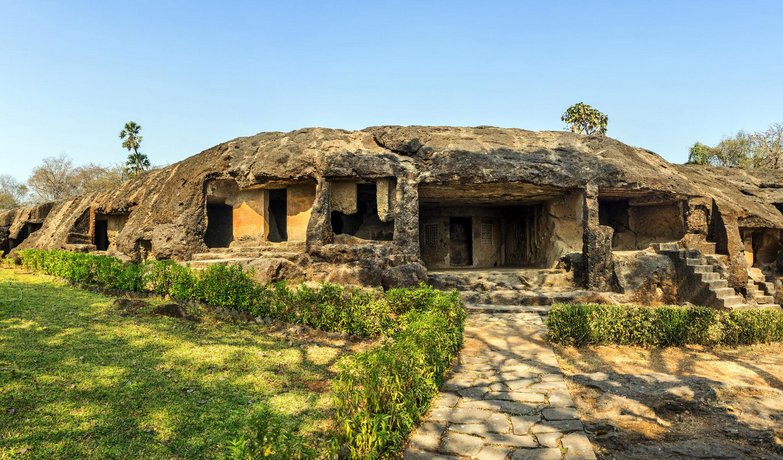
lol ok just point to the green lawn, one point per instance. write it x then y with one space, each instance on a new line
79 380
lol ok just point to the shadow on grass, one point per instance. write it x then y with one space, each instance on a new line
78 380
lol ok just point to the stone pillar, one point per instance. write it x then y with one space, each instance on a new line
598 268
319 228
737 266
406 216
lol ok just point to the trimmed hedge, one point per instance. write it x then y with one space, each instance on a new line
380 394
597 324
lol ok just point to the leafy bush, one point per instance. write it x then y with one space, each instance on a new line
595 324
226 286
383 392
272 436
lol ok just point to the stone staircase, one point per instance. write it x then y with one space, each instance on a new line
705 283
760 289
245 254
506 289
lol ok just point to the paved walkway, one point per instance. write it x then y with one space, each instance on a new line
505 399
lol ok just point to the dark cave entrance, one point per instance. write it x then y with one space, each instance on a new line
101 238
277 210
460 241
366 222
220 225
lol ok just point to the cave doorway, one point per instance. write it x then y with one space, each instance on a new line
277 210
614 213
101 238
366 222
460 241
220 225
25 231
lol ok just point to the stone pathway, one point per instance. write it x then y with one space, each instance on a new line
505 399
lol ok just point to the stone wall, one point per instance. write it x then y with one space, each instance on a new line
565 226
300 205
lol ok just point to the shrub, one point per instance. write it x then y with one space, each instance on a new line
273 436
383 392
226 286
595 324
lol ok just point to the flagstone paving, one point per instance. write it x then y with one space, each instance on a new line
506 398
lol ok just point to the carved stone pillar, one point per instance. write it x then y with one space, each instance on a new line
319 229
596 245
406 216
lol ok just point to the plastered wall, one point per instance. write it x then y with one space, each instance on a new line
300 205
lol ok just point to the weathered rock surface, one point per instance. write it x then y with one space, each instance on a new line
166 212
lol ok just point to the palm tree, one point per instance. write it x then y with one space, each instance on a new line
131 140
137 163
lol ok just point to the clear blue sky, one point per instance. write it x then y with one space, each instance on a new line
195 74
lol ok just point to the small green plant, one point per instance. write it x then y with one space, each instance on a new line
272 436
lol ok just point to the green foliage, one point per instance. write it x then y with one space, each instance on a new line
700 154
382 393
762 149
584 119
227 286
271 436
131 140
595 324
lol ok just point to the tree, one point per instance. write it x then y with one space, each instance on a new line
96 178
735 152
768 147
131 140
700 154
57 179
12 192
53 180
584 119
755 150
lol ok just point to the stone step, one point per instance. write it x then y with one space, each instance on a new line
694 261
702 268
502 279
764 299
666 247
717 284
711 276
198 264
753 292
767 287
723 292
488 308
285 245
517 298
773 306
731 302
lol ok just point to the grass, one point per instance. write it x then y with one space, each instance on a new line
80 380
